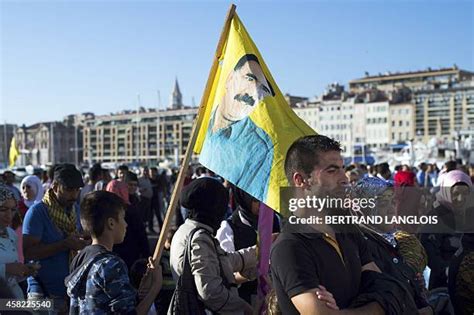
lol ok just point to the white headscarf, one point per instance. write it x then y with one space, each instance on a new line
35 183
447 181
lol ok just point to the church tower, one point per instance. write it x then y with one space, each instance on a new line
176 99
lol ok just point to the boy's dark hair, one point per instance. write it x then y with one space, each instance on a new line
303 154
131 177
96 208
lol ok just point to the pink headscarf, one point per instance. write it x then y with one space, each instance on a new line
447 181
118 188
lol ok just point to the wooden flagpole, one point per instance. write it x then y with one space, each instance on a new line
194 133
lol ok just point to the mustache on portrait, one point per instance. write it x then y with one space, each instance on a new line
247 99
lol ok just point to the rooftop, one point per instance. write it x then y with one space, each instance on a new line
411 74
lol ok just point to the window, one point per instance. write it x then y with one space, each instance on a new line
393 124
393 136
400 124
407 123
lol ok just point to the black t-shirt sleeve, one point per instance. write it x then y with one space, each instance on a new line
293 268
364 249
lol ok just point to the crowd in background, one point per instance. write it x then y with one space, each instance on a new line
38 240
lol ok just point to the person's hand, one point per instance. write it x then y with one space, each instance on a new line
75 242
18 269
325 296
152 280
33 268
420 282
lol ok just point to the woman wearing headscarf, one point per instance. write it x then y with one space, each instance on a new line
135 244
212 268
450 208
240 231
395 252
31 190
11 269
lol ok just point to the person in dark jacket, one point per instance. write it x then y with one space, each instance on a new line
461 277
135 244
240 231
450 206
386 242
99 281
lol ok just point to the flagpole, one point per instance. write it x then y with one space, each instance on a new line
194 133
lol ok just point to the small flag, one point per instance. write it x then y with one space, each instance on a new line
14 153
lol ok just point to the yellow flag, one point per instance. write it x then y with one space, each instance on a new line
14 153
247 125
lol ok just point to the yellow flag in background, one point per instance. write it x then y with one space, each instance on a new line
247 125
14 153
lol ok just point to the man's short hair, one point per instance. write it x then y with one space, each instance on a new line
95 172
123 168
96 208
130 177
383 168
6 173
303 154
450 166
252 57
68 175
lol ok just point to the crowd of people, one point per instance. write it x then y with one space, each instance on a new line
83 240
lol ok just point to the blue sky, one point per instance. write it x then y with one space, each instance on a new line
59 58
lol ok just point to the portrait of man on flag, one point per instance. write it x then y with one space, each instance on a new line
247 124
231 130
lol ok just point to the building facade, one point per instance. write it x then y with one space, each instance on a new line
445 113
309 112
46 143
402 122
144 136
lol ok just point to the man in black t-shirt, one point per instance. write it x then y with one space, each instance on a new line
315 256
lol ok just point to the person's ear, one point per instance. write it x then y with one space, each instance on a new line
55 187
299 180
111 223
